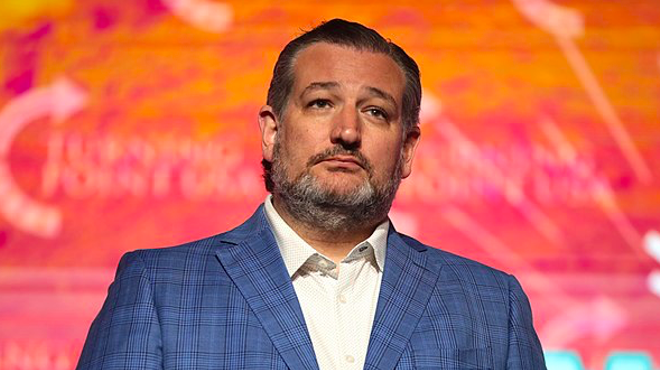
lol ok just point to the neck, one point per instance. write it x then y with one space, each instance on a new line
335 244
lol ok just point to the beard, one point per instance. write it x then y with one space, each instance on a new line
324 208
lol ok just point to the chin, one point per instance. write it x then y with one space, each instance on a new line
341 185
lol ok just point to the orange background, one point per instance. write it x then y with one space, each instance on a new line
132 124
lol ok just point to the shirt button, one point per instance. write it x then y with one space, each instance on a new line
323 264
349 359
342 298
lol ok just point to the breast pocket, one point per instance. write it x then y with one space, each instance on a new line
453 359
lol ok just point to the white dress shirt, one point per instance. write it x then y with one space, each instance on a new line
338 304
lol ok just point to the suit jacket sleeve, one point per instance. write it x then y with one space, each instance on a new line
126 333
525 352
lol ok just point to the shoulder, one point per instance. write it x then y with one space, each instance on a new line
461 269
177 254
168 264
191 254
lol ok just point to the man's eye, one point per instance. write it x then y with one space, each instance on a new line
377 112
319 103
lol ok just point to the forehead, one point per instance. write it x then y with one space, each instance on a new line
350 67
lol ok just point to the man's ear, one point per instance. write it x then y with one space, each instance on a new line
410 143
268 124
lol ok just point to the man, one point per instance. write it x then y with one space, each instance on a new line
318 277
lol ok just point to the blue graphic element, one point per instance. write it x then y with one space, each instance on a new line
563 360
628 361
618 360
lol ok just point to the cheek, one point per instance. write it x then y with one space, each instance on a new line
386 151
305 143
383 166
296 152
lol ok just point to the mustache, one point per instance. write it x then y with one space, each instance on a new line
340 150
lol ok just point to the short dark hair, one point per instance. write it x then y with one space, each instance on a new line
351 34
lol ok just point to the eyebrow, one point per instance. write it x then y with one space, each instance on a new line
382 94
319 86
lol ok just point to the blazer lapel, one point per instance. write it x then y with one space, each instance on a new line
254 263
405 290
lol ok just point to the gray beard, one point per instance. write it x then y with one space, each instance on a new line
320 208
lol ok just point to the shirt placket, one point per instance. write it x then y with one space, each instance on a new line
323 317
346 308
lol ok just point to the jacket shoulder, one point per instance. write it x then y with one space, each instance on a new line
459 267
180 251
186 253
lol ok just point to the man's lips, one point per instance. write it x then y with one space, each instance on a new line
340 158
343 161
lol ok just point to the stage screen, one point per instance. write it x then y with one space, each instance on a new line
133 124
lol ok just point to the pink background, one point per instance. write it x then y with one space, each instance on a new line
132 124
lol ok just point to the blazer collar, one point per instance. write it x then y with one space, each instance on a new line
404 294
253 262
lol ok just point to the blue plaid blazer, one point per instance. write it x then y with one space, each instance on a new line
227 302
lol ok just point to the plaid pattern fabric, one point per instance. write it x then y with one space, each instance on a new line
227 302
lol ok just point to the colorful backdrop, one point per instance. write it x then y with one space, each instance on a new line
132 124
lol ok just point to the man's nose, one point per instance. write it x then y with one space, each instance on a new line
347 129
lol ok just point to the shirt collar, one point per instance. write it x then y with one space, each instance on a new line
295 251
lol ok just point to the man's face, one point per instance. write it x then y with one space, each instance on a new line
341 131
